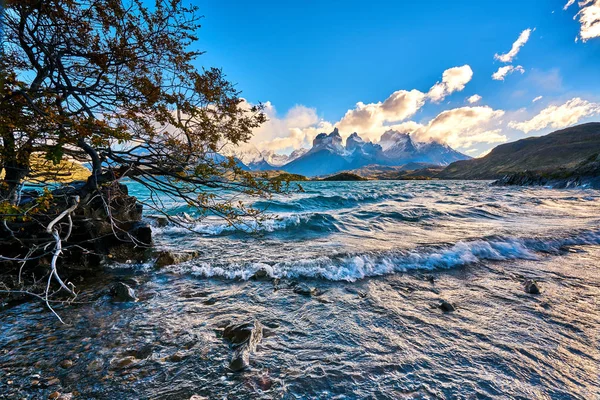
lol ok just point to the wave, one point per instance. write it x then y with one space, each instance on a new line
321 202
352 267
306 222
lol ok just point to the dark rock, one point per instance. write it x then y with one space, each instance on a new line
446 306
530 286
430 278
159 221
123 292
261 274
66 364
357 292
165 258
142 232
176 357
304 289
142 352
244 338
125 362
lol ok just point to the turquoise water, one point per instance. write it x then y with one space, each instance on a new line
381 256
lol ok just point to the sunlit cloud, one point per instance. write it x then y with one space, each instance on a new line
453 80
560 116
507 70
474 99
537 99
516 47
589 19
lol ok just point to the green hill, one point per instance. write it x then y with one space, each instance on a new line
564 149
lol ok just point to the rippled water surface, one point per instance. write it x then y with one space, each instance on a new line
381 255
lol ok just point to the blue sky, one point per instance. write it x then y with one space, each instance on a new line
322 58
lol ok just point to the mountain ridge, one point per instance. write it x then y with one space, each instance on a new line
328 154
565 148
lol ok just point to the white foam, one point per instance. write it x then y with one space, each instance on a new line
359 266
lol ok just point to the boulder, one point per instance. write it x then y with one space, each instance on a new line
304 289
159 221
123 292
446 306
244 338
142 232
530 286
166 257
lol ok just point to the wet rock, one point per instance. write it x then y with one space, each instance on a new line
53 381
65 396
123 292
176 357
142 352
357 292
261 274
165 258
530 286
430 278
66 364
142 232
197 397
95 365
54 395
244 338
446 306
304 289
159 221
120 363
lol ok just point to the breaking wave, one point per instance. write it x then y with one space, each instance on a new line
352 267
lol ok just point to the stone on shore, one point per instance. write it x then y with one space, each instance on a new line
244 338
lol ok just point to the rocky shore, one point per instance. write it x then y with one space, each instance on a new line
585 175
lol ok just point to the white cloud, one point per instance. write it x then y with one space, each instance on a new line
569 4
516 47
453 80
474 99
560 116
288 132
459 127
506 70
537 99
399 106
589 18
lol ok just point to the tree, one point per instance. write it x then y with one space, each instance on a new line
113 83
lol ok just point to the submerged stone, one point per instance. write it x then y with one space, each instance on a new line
123 292
304 289
446 306
531 287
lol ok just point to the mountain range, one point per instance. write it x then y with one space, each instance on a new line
329 155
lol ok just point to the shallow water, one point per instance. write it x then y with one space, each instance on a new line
372 331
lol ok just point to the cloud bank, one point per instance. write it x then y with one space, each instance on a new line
557 117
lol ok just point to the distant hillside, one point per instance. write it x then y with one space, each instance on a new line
46 171
564 149
344 176
409 171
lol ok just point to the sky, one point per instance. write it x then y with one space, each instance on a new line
472 74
